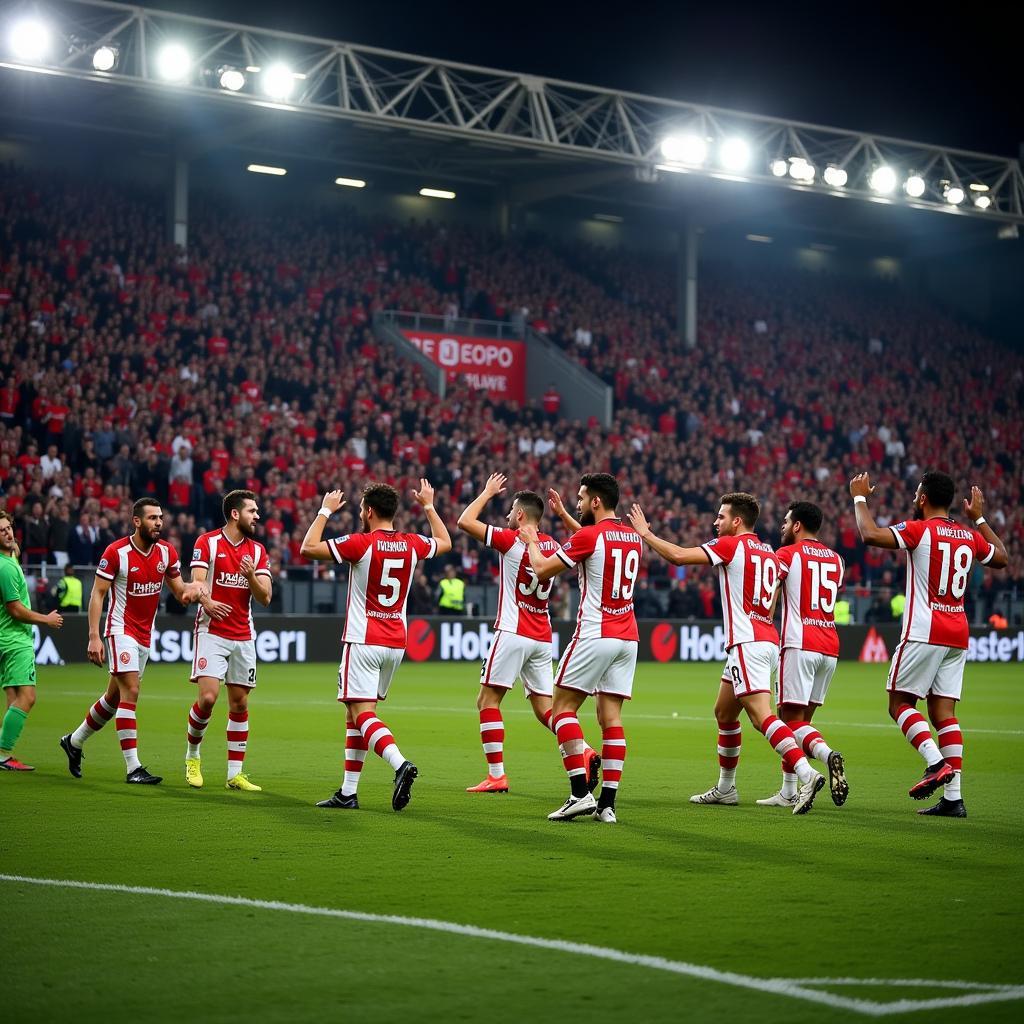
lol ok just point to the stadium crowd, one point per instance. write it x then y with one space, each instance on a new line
127 368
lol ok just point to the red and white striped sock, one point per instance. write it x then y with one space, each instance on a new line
812 742
571 746
919 736
127 733
613 755
784 743
492 735
238 737
730 739
379 739
95 718
196 727
951 746
355 755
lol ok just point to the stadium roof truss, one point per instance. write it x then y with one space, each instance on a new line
510 111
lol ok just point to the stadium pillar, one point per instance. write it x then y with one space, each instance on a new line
179 204
686 285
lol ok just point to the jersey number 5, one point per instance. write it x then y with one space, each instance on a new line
392 583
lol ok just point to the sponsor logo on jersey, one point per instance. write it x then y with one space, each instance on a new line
145 589
133 568
233 580
901 526
103 563
197 555
161 567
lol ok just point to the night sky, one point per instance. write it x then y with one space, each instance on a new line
929 72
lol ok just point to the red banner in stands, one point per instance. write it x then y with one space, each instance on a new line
497 367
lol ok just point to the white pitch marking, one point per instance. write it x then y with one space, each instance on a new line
774 986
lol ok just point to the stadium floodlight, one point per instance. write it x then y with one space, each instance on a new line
801 170
437 193
684 149
174 62
278 81
350 182
982 201
230 78
914 186
30 40
954 195
780 168
835 176
105 58
882 180
266 169
734 154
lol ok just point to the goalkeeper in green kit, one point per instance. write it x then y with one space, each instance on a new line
17 651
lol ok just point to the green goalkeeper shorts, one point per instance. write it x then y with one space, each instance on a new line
17 667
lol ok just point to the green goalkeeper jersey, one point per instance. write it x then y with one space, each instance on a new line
13 588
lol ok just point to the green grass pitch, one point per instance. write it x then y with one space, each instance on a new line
868 893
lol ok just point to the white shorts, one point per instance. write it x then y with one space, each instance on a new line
233 661
515 657
598 665
366 671
923 669
126 654
804 676
751 667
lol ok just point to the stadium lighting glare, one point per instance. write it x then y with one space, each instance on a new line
30 40
278 81
230 78
437 193
954 195
174 62
764 239
780 168
684 149
350 182
265 169
734 154
104 58
608 218
977 187
801 170
914 186
835 176
982 201
882 180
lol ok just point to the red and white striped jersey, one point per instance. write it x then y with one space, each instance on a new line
812 576
940 556
222 561
748 573
608 555
522 598
382 566
137 579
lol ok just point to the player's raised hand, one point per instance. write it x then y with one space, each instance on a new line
975 508
860 486
425 495
248 567
636 516
95 651
555 502
528 533
495 485
333 500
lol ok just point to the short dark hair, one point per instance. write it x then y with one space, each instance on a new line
938 488
142 503
603 486
383 499
236 499
743 505
807 514
531 503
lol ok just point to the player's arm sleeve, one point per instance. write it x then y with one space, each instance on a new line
785 557
907 534
107 564
720 550
425 547
578 547
983 549
349 548
263 563
201 554
500 539
173 570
